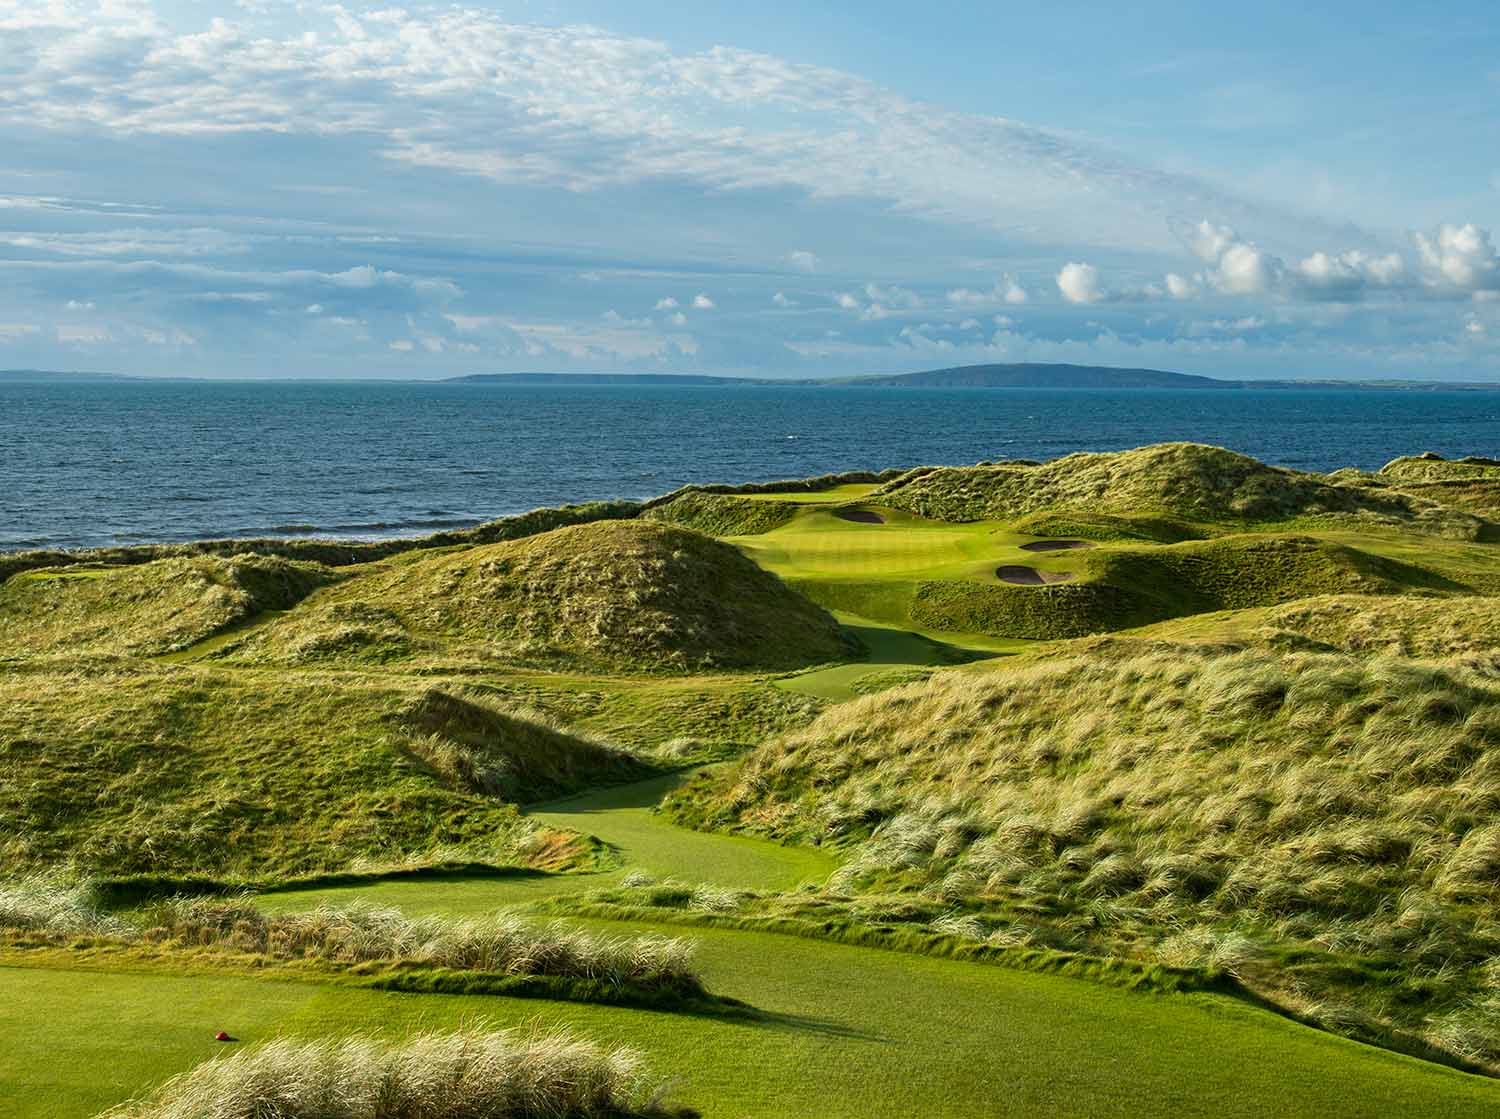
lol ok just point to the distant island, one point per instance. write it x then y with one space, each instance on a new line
1020 375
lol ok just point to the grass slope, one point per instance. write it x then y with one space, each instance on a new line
628 596
1324 823
123 769
157 607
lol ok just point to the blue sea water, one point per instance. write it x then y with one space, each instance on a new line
92 463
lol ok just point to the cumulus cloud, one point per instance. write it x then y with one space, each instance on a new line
893 296
803 261
781 299
1079 283
10 331
846 301
666 303
678 319
702 302
1460 256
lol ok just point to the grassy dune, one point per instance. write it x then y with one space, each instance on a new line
612 596
1185 481
1325 824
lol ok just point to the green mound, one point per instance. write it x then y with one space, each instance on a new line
630 596
724 514
1121 588
128 769
1323 825
1186 481
512 753
153 608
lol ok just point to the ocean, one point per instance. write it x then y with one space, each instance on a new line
100 463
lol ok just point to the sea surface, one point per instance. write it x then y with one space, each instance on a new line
98 463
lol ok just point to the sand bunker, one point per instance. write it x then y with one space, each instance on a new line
1055 545
1030 576
859 516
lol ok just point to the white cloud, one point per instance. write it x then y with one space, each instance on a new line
1460 256
666 303
969 324
1475 327
702 302
576 107
1079 283
781 299
313 309
1180 288
10 331
803 261
846 301
1005 290
70 334
79 305
893 296
678 319
403 345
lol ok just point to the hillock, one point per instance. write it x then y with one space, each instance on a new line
631 596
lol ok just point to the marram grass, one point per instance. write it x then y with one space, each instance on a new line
467 1074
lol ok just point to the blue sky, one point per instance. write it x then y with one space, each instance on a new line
281 188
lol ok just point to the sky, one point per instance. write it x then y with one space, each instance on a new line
279 188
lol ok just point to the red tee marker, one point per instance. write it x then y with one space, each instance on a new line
222 1036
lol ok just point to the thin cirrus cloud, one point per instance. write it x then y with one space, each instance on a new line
446 187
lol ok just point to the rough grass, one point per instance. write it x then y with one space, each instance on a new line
123 768
1181 481
470 1074
724 514
1332 822
614 596
157 607
50 909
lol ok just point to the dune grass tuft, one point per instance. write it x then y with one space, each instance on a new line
468 1074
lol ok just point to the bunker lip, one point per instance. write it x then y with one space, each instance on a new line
1030 576
1055 545
860 516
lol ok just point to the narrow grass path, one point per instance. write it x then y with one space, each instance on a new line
640 840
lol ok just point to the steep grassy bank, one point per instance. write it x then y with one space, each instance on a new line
1325 825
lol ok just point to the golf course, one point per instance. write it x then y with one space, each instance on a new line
1154 783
